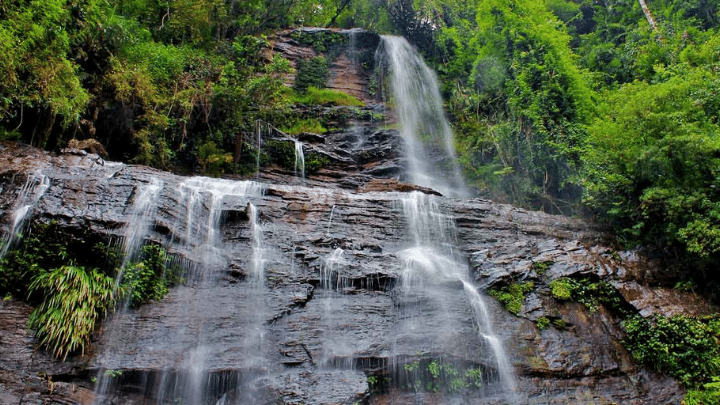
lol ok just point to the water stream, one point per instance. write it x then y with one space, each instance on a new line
34 188
299 159
189 343
422 122
432 262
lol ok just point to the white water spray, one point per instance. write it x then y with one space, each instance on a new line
142 213
433 259
422 122
35 186
299 159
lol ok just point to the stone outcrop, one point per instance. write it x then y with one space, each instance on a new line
329 323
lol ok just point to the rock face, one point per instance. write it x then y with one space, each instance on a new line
297 290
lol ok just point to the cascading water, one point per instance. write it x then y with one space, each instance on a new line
30 194
421 119
432 261
188 348
214 338
140 219
299 159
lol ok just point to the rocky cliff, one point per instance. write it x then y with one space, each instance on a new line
331 319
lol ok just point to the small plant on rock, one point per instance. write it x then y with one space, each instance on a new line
513 295
75 300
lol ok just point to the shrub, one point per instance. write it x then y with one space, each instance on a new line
312 72
75 299
151 277
682 346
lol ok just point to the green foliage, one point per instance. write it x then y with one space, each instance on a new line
321 41
682 346
542 323
314 161
589 293
75 299
563 288
559 323
212 160
151 276
520 103
513 295
706 394
280 152
651 169
311 73
311 125
541 267
44 247
315 96
438 375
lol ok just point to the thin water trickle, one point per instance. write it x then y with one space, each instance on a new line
140 219
299 159
35 187
421 119
257 272
332 211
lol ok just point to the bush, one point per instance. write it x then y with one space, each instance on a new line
75 299
151 277
682 346
311 73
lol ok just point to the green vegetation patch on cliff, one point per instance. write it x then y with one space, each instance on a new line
73 282
682 346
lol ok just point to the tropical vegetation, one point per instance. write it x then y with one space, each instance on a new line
606 109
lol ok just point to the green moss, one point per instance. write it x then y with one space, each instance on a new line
542 323
562 288
513 295
541 267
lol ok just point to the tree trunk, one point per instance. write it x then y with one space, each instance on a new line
648 15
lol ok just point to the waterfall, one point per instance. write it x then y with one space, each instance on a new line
34 188
142 213
299 159
257 272
422 123
189 345
432 260
332 212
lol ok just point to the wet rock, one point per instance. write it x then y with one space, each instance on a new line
663 301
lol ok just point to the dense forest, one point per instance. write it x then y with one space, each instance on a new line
607 109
